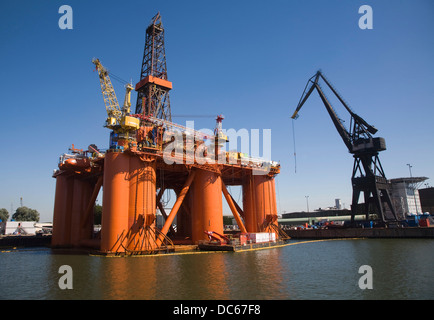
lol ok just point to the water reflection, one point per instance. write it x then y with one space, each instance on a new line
202 277
257 275
314 270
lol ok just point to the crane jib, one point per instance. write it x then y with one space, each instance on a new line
360 128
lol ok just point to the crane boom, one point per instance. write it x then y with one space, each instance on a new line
114 113
359 137
127 101
117 119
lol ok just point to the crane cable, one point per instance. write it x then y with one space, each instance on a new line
117 78
293 140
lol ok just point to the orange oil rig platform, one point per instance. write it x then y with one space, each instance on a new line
133 183
149 155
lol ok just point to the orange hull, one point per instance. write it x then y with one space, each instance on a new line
115 202
130 181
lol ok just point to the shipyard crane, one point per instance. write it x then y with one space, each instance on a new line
368 175
119 120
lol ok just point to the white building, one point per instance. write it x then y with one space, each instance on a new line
405 195
18 227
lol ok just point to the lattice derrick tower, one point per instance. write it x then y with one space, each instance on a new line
153 87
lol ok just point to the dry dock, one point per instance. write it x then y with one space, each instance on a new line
333 233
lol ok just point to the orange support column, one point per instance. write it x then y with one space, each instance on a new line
61 213
68 213
85 229
208 188
249 204
259 202
265 198
272 183
81 194
136 199
273 202
212 203
76 211
114 224
196 204
262 198
142 204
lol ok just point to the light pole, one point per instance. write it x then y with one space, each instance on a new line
307 203
409 168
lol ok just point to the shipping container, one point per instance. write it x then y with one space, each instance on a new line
243 239
258 237
424 223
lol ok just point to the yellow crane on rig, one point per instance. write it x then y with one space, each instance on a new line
118 120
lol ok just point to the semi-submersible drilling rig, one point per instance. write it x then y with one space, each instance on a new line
134 176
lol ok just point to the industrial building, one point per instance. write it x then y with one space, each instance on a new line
17 228
407 198
427 199
405 195
335 213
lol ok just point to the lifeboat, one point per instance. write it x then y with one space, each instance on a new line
75 163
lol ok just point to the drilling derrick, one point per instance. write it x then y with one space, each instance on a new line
153 87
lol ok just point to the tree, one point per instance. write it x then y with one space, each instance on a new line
97 214
4 214
26 214
227 220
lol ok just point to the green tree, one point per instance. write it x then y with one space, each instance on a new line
4 214
97 214
227 220
26 214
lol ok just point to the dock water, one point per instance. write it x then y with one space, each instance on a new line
335 233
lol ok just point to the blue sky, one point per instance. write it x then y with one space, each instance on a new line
249 60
